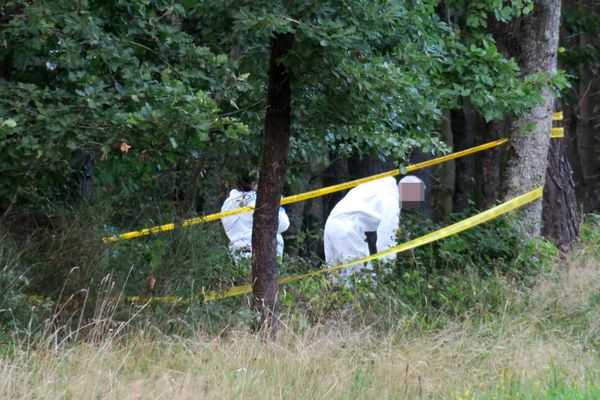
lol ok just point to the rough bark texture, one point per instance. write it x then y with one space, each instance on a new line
534 44
560 217
265 269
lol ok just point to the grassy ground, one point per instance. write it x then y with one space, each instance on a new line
547 350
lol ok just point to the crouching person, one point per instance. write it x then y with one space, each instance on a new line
238 228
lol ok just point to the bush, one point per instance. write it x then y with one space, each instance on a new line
479 271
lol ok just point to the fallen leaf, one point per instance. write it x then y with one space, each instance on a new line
124 147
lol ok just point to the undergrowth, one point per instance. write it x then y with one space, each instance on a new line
442 322
61 274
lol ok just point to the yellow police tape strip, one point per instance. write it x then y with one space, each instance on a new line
557 133
306 195
453 229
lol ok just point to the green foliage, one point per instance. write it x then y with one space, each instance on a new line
371 77
478 272
476 71
162 93
157 91
93 77
585 52
472 272
476 14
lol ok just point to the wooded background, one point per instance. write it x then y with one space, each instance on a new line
145 111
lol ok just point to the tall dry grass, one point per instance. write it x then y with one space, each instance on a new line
552 343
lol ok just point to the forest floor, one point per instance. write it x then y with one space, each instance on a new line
547 350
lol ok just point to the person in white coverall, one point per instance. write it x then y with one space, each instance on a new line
238 228
370 207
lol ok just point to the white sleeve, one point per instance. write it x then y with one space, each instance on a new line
284 221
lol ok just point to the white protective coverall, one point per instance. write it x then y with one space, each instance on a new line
238 228
372 206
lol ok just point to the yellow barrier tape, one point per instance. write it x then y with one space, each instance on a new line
453 229
557 133
306 195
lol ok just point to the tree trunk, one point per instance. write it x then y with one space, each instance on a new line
560 217
295 212
534 46
442 191
84 175
360 167
265 270
489 165
336 172
587 120
464 126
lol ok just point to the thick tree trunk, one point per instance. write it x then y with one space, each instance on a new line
560 217
587 121
535 47
265 269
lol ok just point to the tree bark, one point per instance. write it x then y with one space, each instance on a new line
442 191
464 126
84 175
587 120
560 217
534 45
265 269
489 166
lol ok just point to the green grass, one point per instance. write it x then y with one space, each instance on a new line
548 350
541 342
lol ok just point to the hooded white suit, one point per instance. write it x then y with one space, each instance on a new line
372 206
238 228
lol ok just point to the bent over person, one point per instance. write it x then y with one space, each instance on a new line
238 228
370 207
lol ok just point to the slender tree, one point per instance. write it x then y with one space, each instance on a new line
265 270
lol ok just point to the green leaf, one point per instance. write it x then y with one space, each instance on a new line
9 123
